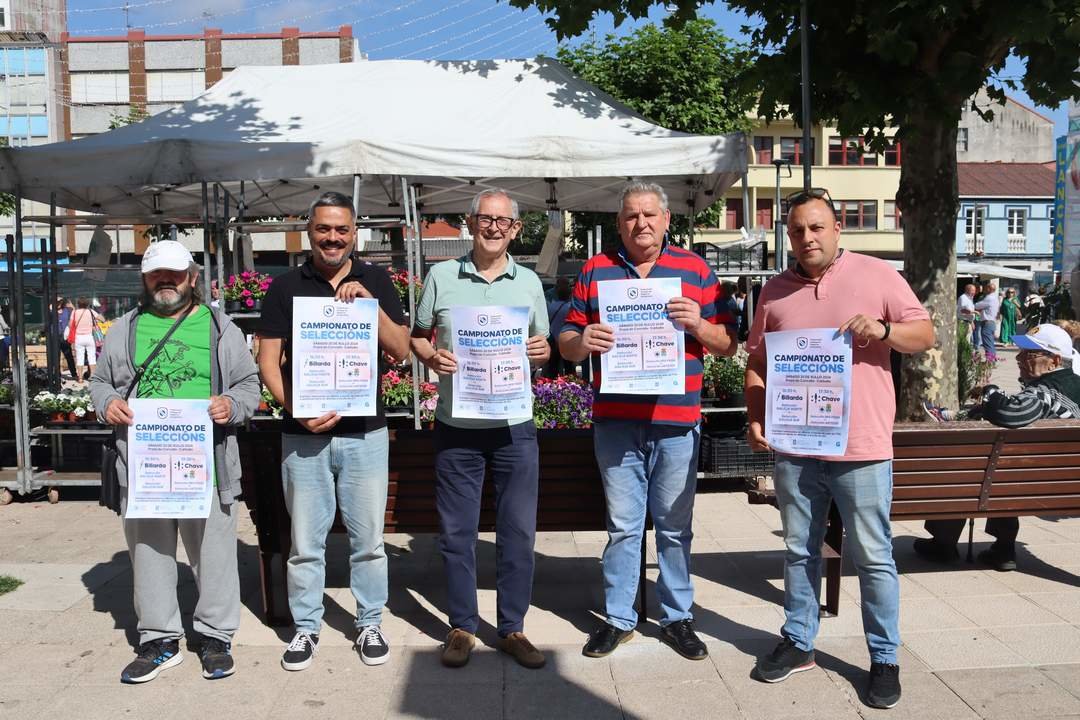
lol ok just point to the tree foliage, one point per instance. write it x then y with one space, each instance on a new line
683 78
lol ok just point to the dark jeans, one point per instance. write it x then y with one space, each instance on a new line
1004 530
69 357
461 457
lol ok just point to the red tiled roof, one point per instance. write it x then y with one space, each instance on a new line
1006 179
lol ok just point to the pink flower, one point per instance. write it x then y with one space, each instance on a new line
249 302
232 280
245 293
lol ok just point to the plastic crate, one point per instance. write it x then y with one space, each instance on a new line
731 457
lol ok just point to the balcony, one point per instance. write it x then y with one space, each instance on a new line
1017 244
974 244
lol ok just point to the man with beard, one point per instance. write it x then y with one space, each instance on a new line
205 356
331 462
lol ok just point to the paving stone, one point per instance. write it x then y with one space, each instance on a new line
1003 610
970 648
1011 693
1042 644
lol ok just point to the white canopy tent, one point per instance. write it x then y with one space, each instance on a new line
450 128
402 137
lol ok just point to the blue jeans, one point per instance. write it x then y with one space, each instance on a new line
321 473
987 329
863 493
652 467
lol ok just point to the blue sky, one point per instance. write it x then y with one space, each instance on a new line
426 29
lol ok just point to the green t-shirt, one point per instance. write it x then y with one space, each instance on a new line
181 371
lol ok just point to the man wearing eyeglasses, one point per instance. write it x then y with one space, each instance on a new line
829 287
464 447
647 445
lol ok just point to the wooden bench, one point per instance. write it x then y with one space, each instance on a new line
968 470
571 496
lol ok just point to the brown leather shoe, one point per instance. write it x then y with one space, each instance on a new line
518 646
459 645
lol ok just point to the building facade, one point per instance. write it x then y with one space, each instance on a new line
1007 216
1016 134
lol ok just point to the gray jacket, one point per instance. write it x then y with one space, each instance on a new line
233 374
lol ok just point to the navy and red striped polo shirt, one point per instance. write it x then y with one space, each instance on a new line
699 283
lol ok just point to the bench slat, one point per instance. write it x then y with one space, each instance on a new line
943 451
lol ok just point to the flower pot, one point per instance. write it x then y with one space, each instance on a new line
91 417
58 416
256 307
233 306
736 399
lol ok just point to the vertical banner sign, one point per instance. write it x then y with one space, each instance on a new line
1062 156
648 357
492 381
335 357
1070 253
808 391
170 459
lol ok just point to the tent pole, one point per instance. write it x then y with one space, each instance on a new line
52 329
238 250
746 202
24 471
356 199
411 270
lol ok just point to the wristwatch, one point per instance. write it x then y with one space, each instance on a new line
888 329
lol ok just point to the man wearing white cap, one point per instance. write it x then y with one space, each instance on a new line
194 352
1049 368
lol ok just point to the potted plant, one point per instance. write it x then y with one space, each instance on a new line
55 405
564 402
82 407
244 292
401 280
723 379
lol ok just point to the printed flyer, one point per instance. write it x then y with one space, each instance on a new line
808 391
335 357
649 352
493 377
170 458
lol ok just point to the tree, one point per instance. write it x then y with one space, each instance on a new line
680 78
910 65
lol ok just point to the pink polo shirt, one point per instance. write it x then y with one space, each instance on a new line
853 284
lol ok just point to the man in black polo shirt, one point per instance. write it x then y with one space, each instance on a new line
331 461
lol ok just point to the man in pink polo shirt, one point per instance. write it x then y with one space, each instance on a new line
831 288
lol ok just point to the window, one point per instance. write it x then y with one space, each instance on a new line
849 151
893 219
1051 214
763 146
733 214
791 149
961 140
892 153
858 214
973 229
1016 219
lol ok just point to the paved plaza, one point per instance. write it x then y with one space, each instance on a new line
977 643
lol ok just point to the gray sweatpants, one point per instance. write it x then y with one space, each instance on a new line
211 550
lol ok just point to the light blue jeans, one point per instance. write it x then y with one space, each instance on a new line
654 467
321 474
863 494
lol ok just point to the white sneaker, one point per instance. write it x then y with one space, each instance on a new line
301 651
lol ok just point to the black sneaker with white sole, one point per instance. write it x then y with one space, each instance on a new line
784 661
372 644
301 651
883 690
216 658
152 658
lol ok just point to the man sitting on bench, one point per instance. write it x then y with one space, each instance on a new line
1049 368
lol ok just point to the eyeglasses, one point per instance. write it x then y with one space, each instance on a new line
503 223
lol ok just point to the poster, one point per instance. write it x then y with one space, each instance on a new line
808 391
170 459
648 356
335 357
493 380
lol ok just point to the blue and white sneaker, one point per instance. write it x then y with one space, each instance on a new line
153 657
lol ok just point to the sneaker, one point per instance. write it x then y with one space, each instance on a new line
374 649
518 646
152 658
884 688
997 558
301 651
217 660
932 550
937 413
784 661
459 645
605 640
681 636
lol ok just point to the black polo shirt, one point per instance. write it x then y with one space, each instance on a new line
277 317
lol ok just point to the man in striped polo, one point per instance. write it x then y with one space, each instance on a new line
647 445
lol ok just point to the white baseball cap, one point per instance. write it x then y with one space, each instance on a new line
1048 338
166 255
